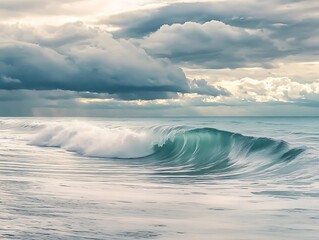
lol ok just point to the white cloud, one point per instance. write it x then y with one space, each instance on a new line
213 44
270 90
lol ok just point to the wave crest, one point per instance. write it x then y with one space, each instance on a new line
95 141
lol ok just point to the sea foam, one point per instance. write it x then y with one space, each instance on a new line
95 141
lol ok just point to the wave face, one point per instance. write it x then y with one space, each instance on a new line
208 150
173 150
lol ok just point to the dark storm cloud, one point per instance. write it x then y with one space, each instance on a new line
91 61
224 34
247 14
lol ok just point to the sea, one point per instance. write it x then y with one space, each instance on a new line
159 178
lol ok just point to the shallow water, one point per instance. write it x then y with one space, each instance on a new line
202 178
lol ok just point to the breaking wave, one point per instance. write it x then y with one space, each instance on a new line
208 150
176 150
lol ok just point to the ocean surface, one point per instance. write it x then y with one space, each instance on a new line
169 178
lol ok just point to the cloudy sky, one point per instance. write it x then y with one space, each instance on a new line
159 58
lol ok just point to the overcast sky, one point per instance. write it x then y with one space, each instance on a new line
159 58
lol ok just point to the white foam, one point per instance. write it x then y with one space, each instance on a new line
96 141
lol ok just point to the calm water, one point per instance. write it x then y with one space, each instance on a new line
203 178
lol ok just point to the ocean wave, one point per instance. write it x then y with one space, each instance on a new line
176 150
209 150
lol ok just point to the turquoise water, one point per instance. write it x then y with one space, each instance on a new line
170 178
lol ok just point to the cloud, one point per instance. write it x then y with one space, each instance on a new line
212 45
91 60
272 90
141 23
224 34
245 14
81 69
9 80
202 87
69 103
246 96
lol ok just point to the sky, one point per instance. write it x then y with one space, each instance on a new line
147 58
